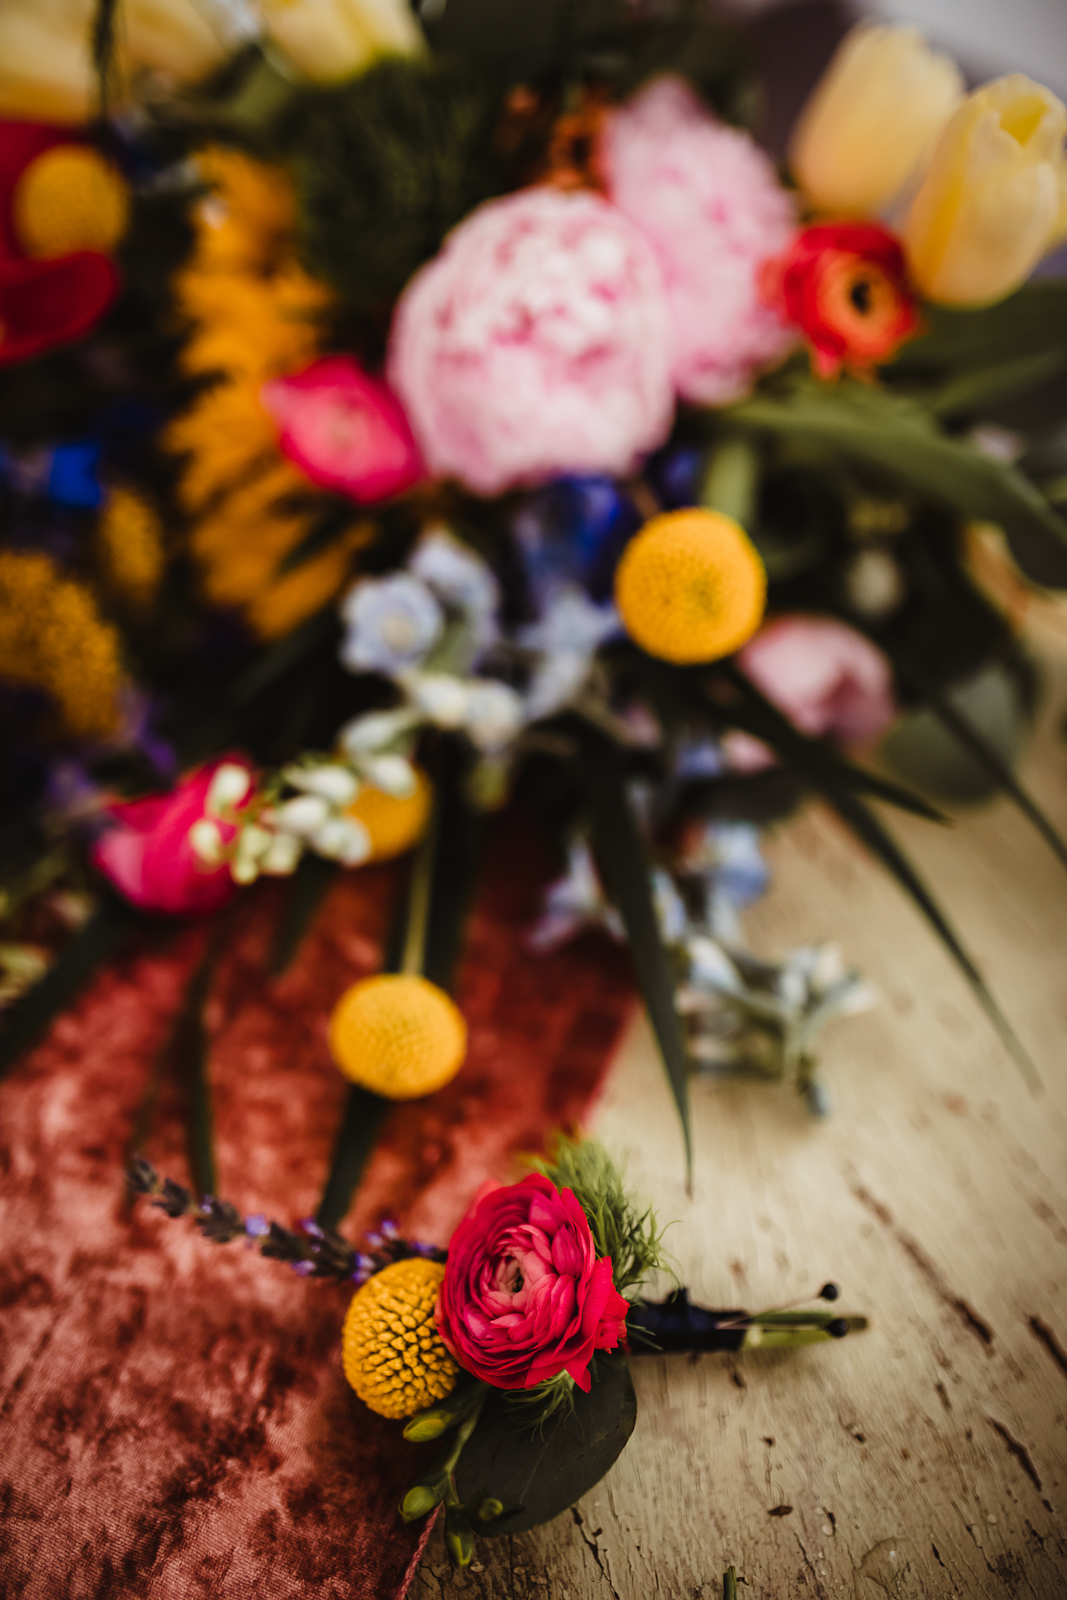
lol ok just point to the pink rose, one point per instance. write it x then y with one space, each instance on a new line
346 430
710 204
147 855
524 1296
828 679
535 344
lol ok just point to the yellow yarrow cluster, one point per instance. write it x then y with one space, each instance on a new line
129 537
391 1351
69 198
398 1035
254 315
393 822
53 638
691 586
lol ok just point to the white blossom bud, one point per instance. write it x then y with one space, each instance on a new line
303 815
441 697
206 841
366 734
282 856
343 839
393 775
336 785
227 789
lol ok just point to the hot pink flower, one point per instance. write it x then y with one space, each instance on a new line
829 680
709 202
535 344
346 430
147 856
524 1296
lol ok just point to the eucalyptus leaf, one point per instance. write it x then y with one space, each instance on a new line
900 438
620 851
546 1471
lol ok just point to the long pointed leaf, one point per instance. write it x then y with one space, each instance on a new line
621 853
866 826
90 947
361 1123
816 762
307 889
191 1050
899 437
975 742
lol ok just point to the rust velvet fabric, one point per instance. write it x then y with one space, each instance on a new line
174 1423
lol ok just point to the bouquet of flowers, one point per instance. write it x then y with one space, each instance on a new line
405 414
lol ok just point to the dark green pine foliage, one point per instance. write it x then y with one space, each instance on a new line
384 166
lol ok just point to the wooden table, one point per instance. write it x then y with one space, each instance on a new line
928 1456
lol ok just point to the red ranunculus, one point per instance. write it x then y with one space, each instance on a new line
345 429
524 1297
147 855
845 286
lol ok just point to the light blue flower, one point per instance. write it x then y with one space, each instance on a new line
569 632
392 624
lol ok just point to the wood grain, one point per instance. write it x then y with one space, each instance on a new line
928 1457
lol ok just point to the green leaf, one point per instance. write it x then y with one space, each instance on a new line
280 658
191 1050
986 754
870 831
1030 322
900 438
620 850
361 1123
80 958
307 889
332 523
971 391
547 1471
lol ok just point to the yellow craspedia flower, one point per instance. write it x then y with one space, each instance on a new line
398 1035
691 586
391 1350
69 198
130 540
394 822
53 638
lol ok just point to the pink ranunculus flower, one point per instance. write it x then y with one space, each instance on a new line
709 202
535 344
345 429
828 679
147 854
524 1296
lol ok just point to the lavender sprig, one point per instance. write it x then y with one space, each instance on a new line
313 1252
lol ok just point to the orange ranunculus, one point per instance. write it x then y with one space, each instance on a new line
845 286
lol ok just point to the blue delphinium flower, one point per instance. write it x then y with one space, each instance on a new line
392 624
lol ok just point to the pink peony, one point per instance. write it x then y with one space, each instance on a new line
535 344
524 1296
713 210
828 679
344 429
146 853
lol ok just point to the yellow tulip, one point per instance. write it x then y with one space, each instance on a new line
330 40
871 118
989 207
46 69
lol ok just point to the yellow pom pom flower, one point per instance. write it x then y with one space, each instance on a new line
691 586
398 1035
52 637
68 199
130 541
394 822
391 1350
